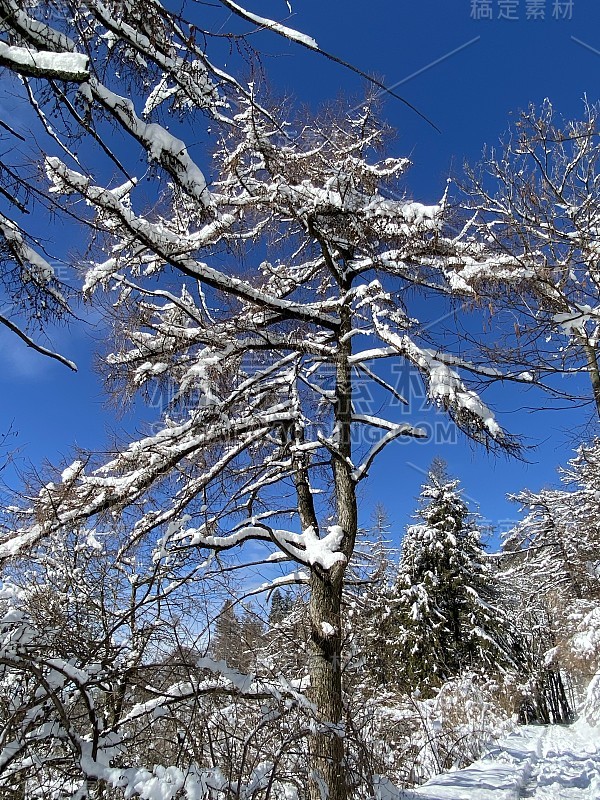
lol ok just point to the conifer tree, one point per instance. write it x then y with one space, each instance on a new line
235 638
282 603
445 618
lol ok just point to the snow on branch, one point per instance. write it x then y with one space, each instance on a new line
199 537
299 576
161 146
43 297
310 43
125 479
309 549
306 547
445 386
36 267
276 27
45 64
172 249
224 680
180 77
466 274
35 345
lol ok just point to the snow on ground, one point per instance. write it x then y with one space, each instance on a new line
551 762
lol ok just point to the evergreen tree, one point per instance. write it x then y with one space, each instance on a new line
282 603
236 639
445 618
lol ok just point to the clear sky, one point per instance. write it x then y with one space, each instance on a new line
466 65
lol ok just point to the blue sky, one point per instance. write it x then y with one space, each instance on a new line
470 76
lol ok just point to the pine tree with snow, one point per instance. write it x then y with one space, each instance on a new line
445 618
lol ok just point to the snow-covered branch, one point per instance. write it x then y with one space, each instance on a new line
44 64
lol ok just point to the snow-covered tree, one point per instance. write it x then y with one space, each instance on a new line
80 637
254 298
32 293
552 560
445 616
79 65
559 537
260 362
68 58
536 201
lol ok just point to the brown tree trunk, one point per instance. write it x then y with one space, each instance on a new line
328 768
327 777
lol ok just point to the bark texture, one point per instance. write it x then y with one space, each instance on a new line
328 769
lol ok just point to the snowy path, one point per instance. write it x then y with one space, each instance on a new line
542 763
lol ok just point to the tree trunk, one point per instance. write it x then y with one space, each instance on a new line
594 370
327 769
327 745
328 776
